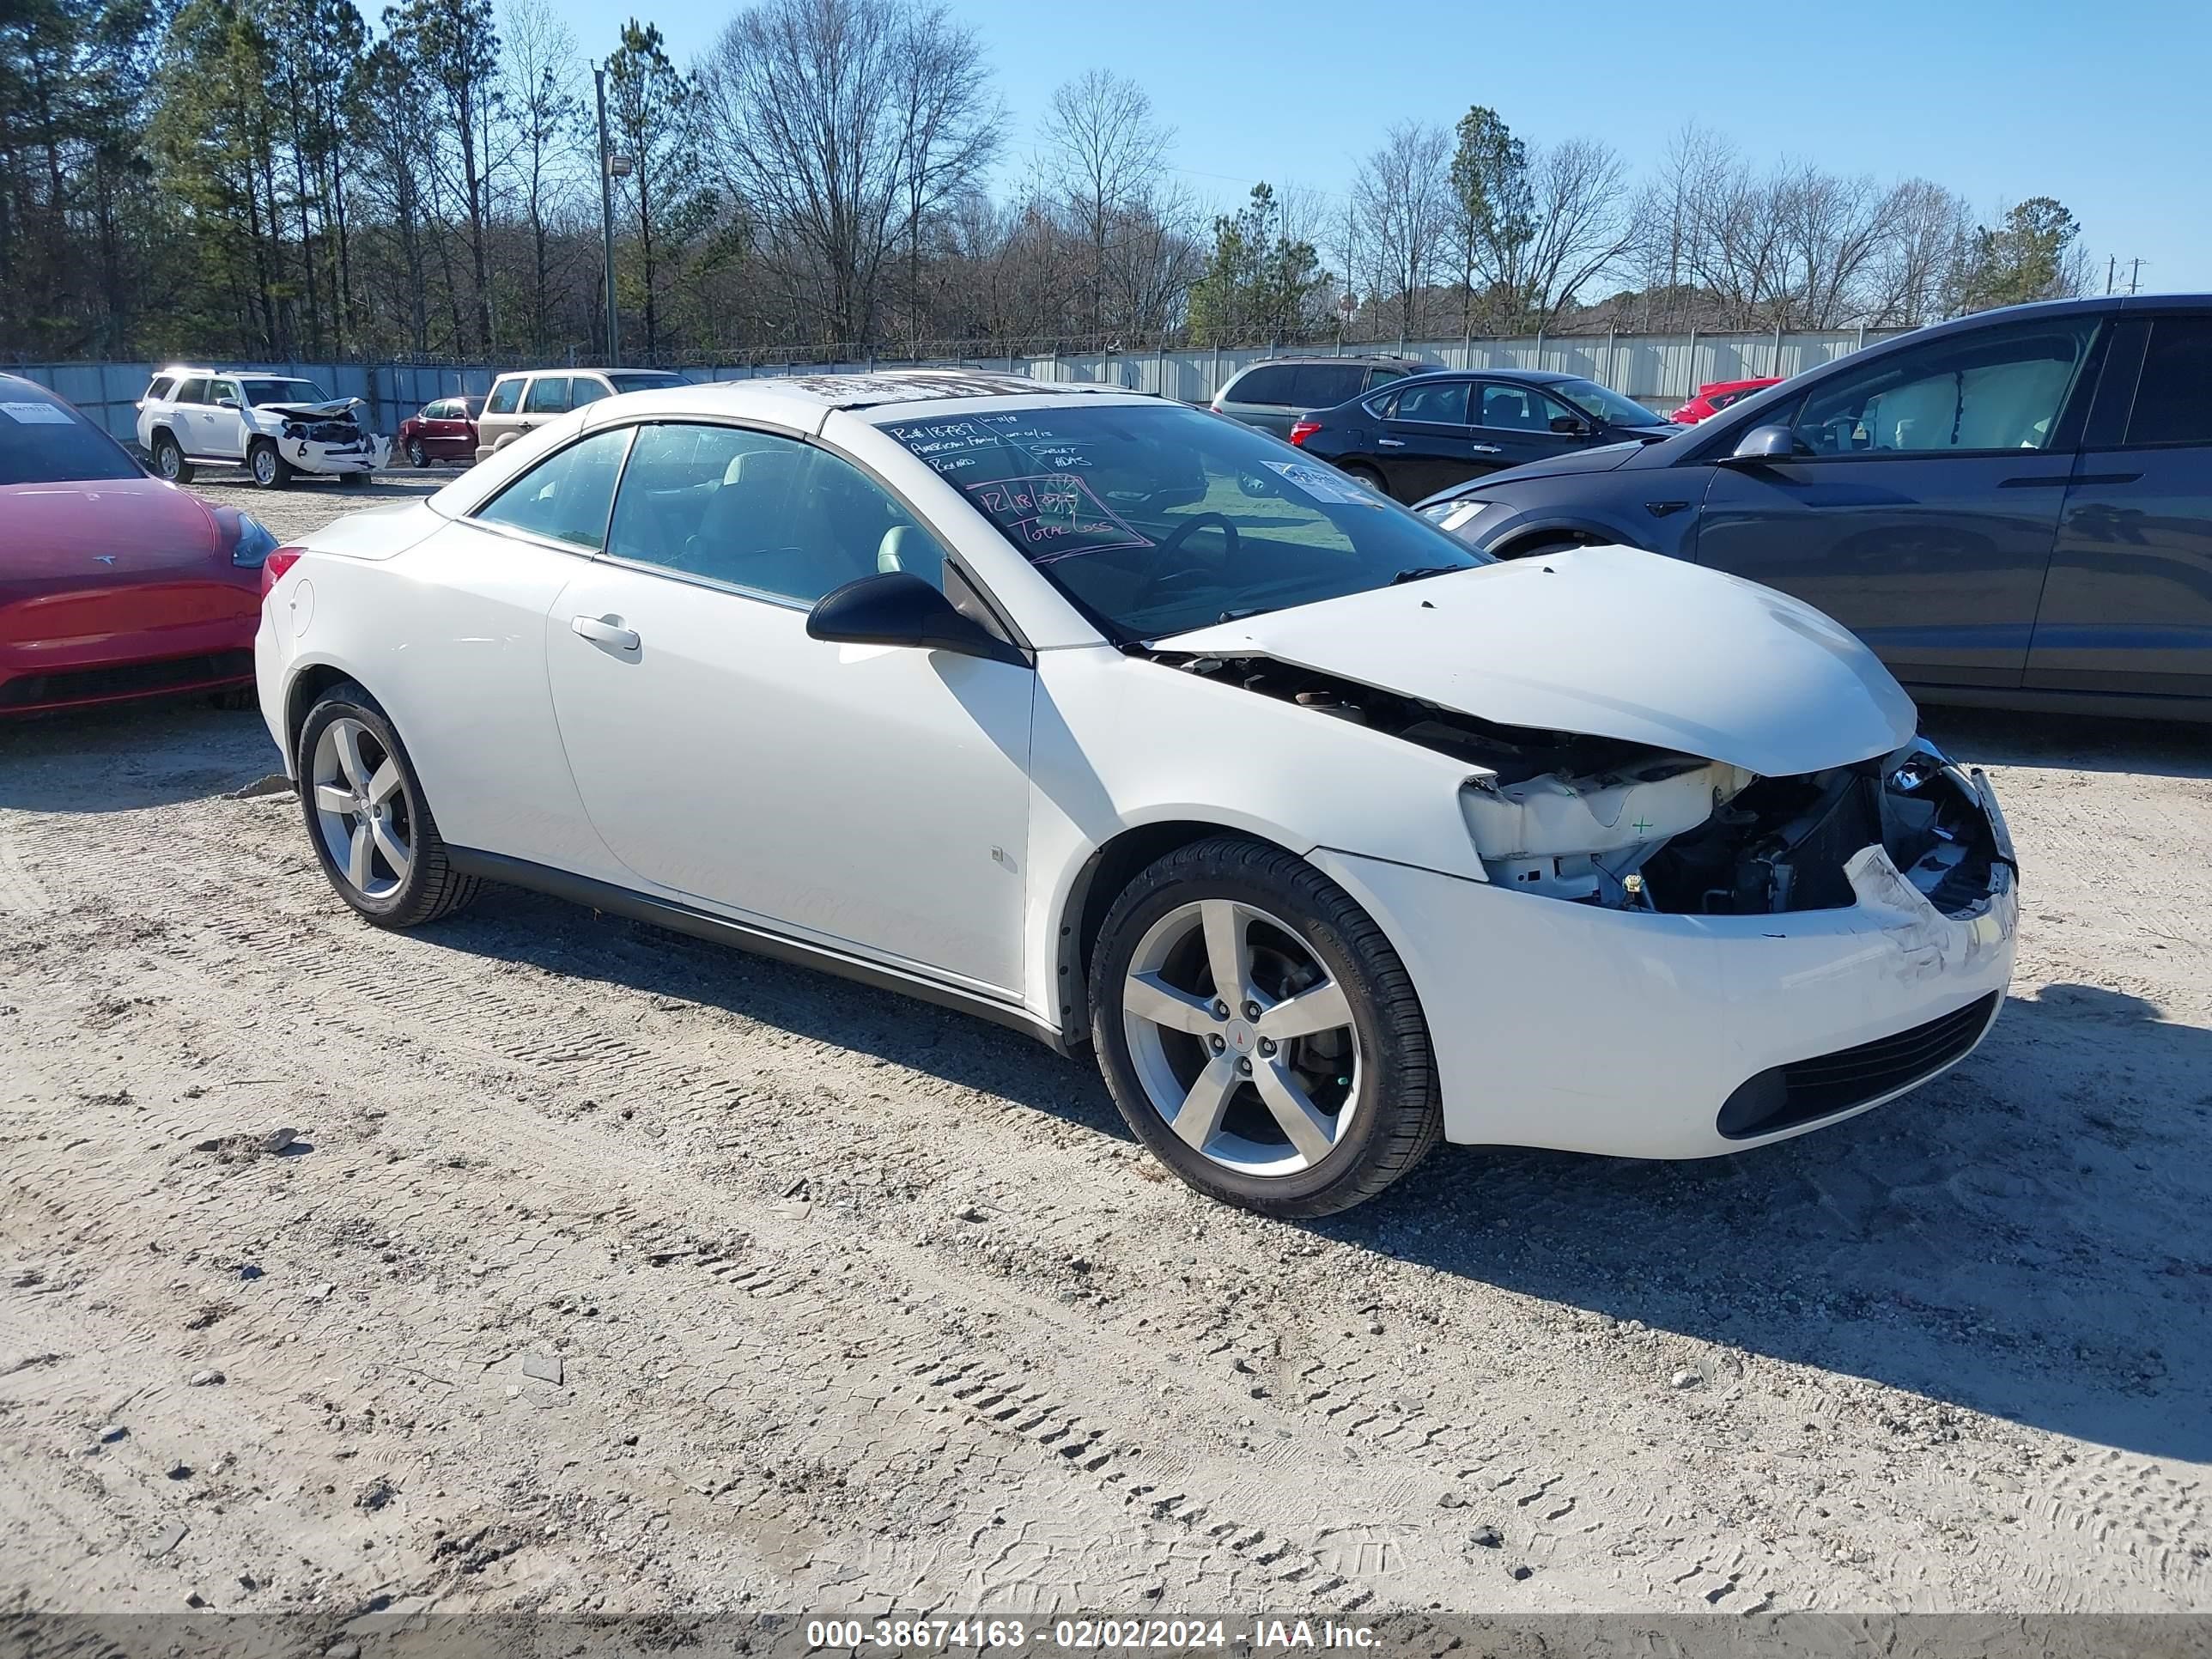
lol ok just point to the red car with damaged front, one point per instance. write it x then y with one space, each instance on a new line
114 584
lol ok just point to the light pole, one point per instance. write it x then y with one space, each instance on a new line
607 216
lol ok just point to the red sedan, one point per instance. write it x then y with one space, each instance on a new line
1713 398
114 584
444 430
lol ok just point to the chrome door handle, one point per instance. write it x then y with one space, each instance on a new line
1389 443
605 631
1485 449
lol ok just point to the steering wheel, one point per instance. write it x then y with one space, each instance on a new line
1177 538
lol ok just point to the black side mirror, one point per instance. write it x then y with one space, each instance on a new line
1568 426
1766 443
899 608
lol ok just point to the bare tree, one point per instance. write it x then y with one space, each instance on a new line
546 110
1579 204
839 124
1401 210
950 127
1914 275
1104 151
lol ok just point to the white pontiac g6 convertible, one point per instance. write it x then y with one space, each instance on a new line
1128 726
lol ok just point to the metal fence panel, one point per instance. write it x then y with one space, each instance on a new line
1661 370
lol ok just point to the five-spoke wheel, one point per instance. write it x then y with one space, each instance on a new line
372 828
359 809
1259 1033
1244 1043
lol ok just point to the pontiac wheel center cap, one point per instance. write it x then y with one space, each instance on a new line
1240 1037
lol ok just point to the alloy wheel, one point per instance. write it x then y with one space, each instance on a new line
360 810
265 466
1242 1041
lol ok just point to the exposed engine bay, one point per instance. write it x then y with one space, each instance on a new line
1623 825
326 437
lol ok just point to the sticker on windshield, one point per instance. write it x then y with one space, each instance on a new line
36 414
1324 485
1051 515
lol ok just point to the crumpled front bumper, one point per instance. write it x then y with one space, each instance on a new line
1584 1028
369 452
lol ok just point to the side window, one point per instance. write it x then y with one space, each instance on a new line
1551 412
2170 406
761 512
1436 402
218 390
548 395
1383 376
504 397
1324 386
1513 409
565 496
435 411
2004 389
585 389
1270 383
162 385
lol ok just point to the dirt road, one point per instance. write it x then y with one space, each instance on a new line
606 1269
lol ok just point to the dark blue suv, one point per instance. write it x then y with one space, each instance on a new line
2015 508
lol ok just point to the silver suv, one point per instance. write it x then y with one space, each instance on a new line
521 402
1272 394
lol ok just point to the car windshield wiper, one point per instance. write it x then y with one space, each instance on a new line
1422 572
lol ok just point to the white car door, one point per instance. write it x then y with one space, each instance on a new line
871 800
464 628
222 430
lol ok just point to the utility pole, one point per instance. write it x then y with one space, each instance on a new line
2135 278
2111 265
607 215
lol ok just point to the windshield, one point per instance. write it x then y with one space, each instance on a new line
639 382
1606 403
1154 518
44 440
283 392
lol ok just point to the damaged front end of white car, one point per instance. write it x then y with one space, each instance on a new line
1789 902
326 438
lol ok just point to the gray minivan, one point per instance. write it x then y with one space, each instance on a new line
1272 394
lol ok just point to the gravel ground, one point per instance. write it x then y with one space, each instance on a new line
602 1269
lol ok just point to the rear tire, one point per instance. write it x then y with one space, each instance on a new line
1297 1115
271 471
169 460
1359 473
353 480
366 818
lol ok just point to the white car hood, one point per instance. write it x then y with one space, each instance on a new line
328 411
1606 641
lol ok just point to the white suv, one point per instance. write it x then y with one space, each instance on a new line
271 424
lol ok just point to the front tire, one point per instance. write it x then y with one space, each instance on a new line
169 460
271 471
1304 1088
353 480
417 453
367 817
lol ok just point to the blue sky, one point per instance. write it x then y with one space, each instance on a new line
2108 107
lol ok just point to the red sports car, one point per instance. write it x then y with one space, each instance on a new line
443 429
1713 398
112 583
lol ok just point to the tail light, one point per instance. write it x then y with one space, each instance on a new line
273 566
1303 429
